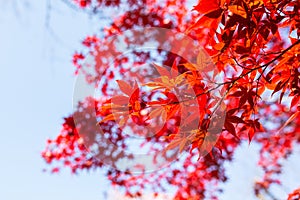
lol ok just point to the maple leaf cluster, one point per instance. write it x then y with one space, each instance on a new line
238 80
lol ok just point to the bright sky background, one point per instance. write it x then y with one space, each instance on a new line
37 84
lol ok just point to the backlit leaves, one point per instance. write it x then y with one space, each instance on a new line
254 46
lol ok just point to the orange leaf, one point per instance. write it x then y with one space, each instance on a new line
203 61
292 117
162 71
281 65
174 144
109 117
179 79
123 121
238 10
156 112
182 145
154 85
177 142
219 46
190 66
125 87
172 110
270 86
119 100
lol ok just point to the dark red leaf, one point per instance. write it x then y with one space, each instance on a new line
214 14
230 128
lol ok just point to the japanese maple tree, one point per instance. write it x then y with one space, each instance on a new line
184 88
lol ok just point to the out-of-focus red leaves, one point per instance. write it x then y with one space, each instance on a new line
295 195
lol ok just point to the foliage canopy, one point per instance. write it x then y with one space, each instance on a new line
238 80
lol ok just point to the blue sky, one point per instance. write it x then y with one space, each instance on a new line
37 85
